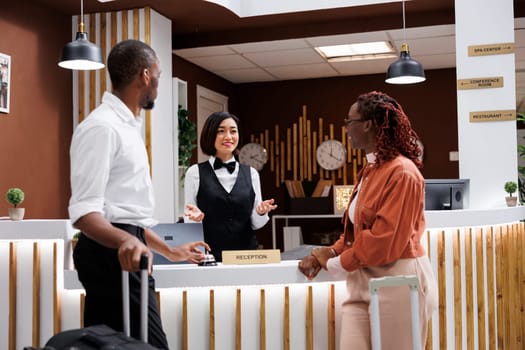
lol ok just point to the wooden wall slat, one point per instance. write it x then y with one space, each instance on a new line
521 263
442 296
480 288
469 290
491 285
36 296
103 43
506 302
262 321
331 317
286 319
309 319
57 309
185 320
458 311
499 287
12 296
92 73
82 306
238 320
212 320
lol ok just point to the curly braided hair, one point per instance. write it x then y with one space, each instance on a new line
394 132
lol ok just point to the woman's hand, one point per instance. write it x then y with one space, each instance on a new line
194 213
309 266
323 254
265 206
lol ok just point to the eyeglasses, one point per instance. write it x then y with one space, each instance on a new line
350 121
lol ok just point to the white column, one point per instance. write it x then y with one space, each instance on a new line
487 150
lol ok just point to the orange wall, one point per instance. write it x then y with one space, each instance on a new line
35 135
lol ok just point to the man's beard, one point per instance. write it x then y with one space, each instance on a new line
149 105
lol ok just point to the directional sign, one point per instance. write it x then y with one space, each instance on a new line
480 83
493 116
494 49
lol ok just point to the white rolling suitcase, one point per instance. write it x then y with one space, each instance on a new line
393 281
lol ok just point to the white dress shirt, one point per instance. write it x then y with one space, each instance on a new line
227 180
109 166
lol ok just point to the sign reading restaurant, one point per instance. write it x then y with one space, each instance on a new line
492 116
493 49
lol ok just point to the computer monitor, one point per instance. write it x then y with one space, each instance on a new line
446 194
177 234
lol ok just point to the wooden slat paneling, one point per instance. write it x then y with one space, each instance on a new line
442 287
12 296
480 288
458 314
36 296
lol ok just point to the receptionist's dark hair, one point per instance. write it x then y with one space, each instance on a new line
209 131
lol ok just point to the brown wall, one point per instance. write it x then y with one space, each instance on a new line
35 135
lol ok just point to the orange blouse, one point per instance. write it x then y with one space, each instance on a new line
389 216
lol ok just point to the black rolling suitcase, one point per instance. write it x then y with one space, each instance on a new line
104 337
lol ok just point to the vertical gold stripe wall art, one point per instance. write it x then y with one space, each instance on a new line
295 145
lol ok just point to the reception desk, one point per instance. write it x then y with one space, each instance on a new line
476 256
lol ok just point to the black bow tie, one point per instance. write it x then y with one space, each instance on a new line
230 166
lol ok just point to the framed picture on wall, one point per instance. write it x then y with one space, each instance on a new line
341 197
5 78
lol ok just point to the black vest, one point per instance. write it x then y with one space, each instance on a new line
227 216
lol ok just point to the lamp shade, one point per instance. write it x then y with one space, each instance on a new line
405 70
80 54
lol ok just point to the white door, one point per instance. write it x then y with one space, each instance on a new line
208 101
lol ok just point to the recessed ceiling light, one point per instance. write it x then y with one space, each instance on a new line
361 51
105 0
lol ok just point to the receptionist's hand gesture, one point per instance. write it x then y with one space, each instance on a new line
194 213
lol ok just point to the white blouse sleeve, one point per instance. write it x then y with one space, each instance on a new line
258 221
191 187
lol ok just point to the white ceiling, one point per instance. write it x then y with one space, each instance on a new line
433 46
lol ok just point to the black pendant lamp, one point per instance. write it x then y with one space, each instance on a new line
405 70
81 54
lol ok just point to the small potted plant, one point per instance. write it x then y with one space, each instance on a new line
510 188
15 196
74 239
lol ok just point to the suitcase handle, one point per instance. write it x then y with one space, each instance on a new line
374 284
143 264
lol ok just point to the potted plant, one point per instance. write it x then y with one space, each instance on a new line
510 188
15 196
187 138
74 239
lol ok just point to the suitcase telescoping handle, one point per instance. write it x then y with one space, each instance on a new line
374 285
143 299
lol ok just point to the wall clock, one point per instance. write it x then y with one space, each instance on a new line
254 155
331 154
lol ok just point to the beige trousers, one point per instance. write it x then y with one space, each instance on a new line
394 305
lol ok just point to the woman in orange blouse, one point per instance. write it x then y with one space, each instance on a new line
383 225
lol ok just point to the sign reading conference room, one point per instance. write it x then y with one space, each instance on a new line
493 116
480 83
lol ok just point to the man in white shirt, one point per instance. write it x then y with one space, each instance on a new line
112 196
